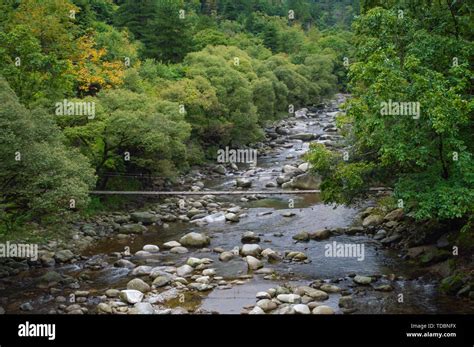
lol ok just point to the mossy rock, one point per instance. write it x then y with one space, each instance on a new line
434 256
452 284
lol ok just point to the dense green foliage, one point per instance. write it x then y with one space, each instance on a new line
423 54
169 82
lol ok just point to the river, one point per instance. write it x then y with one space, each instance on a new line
265 217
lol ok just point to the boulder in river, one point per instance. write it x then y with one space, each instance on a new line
142 308
364 280
253 263
320 234
267 304
243 182
151 248
252 249
226 256
306 181
289 298
63 256
131 296
249 237
232 217
194 240
171 244
162 280
301 309
285 178
301 236
322 309
184 271
372 220
220 169
138 284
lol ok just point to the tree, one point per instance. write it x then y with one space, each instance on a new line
425 152
229 70
39 175
162 25
152 131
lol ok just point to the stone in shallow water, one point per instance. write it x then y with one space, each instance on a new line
257 310
151 248
131 296
243 182
171 244
253 263
226 256
372 220
320 234
267 305
104 308
252 249
330 288
138 284
142 270
250 237
263 295
384 288
301 236
346 301
194 240
289 298
112 293
179 250
323 310
288 214
314 293
142 308
301 309
162 280
184 271
362 279
232 217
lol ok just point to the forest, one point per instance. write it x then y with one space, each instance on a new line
170 82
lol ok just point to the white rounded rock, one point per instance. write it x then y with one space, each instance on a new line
301 309
323 310
131 296
151 248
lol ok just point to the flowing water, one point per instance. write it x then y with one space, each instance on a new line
419 294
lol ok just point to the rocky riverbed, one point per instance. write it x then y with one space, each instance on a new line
248 253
